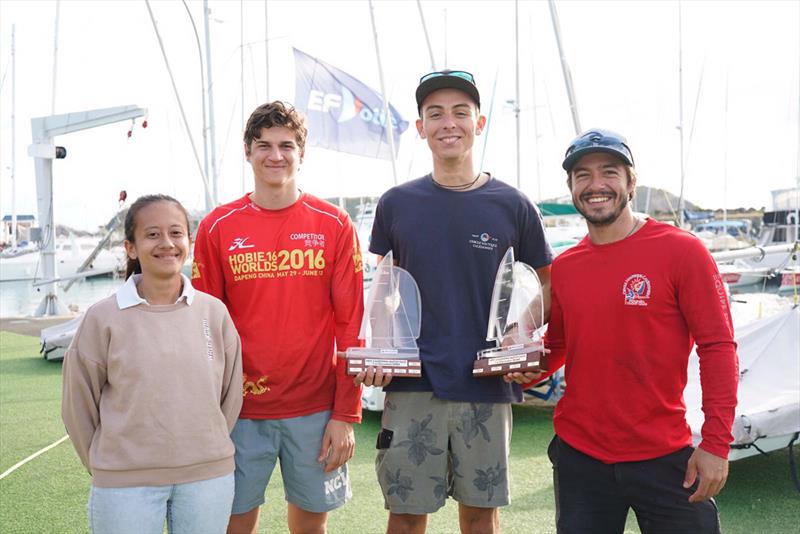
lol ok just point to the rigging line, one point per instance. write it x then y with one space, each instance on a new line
226 62
3 79
32 456
488 127
253 72
427 38
228 131
694 115
209 198
202 87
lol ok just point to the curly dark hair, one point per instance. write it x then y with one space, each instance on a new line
274 114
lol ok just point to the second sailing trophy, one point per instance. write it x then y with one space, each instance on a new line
515 316
391 324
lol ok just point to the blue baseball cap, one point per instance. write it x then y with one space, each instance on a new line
597 140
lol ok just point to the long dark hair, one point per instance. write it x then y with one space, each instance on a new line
133 266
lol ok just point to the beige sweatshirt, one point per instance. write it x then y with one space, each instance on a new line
151 393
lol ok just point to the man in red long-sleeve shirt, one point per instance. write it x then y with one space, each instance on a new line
288 266
628 303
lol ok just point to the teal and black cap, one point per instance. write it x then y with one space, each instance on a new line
447 79
597 140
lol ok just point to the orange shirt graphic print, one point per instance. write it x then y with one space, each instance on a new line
358 262
254 387
195 271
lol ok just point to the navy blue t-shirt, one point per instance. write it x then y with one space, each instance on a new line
452 244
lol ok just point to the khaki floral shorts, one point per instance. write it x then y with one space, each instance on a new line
429 449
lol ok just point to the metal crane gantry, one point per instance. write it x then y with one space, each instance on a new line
44 151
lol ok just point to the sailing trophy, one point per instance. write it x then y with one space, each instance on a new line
391 324
515 316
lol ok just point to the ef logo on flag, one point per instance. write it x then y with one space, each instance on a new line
343 113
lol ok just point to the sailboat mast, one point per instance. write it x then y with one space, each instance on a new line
13 138
797 205
516 81
55 58
573 105
387 125
206 185
211 124
241 76
202 88
725 159
535 117
266 49
680 111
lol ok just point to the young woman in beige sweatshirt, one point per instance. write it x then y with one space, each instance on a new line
152 389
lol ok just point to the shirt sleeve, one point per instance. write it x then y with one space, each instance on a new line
554 341
83 377
534 248
347 295
380 242
207 273
704 305
231 395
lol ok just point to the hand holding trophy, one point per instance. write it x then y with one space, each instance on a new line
391 324
516 313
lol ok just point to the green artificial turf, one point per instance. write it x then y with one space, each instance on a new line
49 493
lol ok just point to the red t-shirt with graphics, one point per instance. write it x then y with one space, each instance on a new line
624 317
292 281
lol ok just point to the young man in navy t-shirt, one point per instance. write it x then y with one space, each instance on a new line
448 433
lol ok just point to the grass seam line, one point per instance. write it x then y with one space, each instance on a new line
32 456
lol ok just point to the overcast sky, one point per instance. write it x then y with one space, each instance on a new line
740 56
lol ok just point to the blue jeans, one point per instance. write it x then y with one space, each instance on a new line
201 507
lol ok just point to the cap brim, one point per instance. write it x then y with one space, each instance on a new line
446 82
573 158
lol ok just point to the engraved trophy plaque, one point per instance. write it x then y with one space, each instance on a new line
516 313
391 324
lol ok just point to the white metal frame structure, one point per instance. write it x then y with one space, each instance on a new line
43 151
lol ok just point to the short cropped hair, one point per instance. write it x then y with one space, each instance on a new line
276 114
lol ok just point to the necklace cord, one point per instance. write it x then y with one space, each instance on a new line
635 226
456 187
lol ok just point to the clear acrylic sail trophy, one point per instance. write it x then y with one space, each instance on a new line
391 324
516 313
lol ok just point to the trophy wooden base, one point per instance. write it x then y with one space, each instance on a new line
399 362
503 360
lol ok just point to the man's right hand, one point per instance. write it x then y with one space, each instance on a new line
522 378
373 376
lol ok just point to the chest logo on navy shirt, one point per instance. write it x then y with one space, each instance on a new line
636 290
240 242
483 241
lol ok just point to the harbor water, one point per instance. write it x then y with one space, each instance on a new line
20 298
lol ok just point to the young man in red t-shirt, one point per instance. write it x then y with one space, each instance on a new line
628 303
288 266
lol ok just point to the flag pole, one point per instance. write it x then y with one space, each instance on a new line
387 125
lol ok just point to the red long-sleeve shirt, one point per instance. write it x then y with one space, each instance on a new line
624 317
292 281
